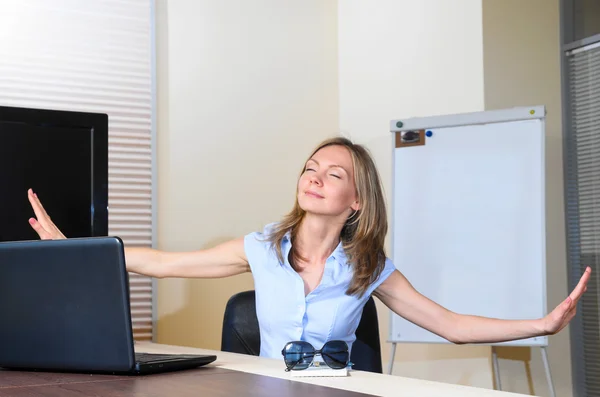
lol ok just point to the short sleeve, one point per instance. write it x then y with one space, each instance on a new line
388 269
257 248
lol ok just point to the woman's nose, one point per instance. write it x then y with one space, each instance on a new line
314 178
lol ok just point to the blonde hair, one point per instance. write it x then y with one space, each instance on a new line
363 234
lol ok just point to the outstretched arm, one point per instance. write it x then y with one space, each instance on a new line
224 260
401 297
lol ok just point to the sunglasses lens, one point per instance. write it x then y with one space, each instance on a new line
335 354
298 355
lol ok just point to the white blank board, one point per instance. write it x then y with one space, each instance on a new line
468 223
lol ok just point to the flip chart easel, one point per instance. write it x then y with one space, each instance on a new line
468 226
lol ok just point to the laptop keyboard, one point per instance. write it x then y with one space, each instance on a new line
152 357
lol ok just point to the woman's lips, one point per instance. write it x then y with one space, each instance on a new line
313 194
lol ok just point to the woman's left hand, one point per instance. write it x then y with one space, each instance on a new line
563 313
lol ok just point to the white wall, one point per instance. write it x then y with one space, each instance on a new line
400 59
245 90
522 67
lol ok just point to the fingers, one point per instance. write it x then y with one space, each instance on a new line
38 209
582 285
44 226
566 311
43 233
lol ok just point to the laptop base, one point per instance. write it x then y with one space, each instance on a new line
151 363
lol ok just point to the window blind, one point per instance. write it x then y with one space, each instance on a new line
93 56
582 183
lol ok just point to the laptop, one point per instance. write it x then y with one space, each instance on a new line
64 307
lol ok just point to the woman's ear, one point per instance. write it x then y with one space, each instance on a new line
355 205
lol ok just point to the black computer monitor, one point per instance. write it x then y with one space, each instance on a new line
63 157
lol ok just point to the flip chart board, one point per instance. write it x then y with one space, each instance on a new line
468 223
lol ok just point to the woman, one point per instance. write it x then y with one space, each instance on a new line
314 270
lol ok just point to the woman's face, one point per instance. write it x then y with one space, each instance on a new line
326 187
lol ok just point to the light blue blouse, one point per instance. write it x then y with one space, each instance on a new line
285 314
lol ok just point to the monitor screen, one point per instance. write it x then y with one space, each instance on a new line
55 158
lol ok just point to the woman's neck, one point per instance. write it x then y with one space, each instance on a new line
317 238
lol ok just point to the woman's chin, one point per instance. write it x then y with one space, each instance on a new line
315 211
313 208
312 211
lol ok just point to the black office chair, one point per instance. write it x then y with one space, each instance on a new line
241 332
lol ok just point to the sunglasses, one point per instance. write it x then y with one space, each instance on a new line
300 355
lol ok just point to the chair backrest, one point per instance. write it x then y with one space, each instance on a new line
366 349
241 332
240 326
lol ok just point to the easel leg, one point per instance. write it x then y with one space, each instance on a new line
391 365
496 368
548 375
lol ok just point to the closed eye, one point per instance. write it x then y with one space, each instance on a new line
336 176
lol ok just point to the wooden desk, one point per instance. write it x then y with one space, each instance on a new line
208 381
358 381
231 375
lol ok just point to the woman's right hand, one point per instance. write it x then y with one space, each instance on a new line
43 224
